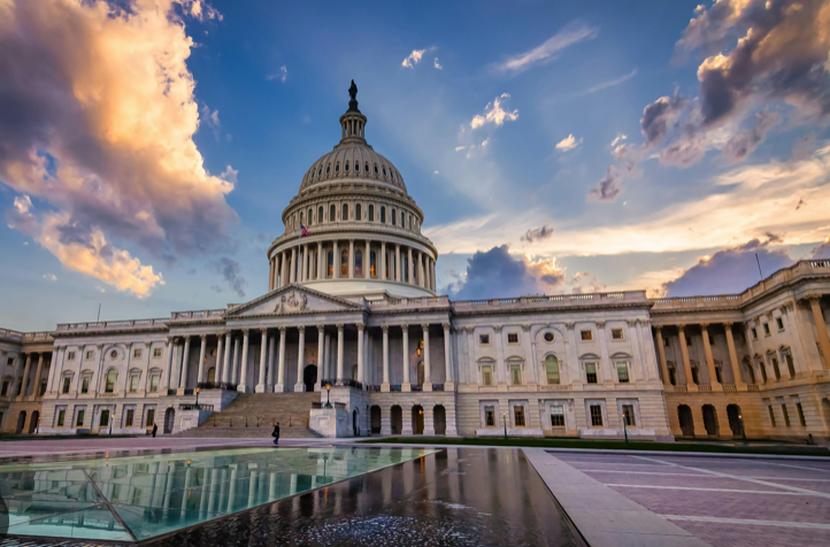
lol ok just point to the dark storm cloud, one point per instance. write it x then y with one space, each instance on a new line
608 187
230 270
495 274
537 234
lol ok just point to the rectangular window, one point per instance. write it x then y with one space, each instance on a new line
79 420
486 375
484 339
512 338
156 352
151 417
66 382
133 383
754 334
766 329
780 323
10 361
673 376
136 495
586 335
591 373
622 372
128 417
516 375
771 415
489 416
790 364
5 389
616 334
557 416
628 415
596 416
695 375
70 355
85 384
137 353
518 416
89 355
786 415
105 418
800 414
154 382
719 375
61 417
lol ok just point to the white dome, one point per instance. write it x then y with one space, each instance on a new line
353 160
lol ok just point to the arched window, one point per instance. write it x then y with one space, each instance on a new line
320 214
552 369
310 217
211 375
332 213
383 214
111 376
358 263
373 269
371 213
410 222
393 217
345 215
344 263
301 218
402 219
358 213
330 262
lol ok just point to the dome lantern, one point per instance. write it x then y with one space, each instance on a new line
353 123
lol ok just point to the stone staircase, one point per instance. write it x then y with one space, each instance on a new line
252 415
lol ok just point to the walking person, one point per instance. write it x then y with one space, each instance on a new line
276 433
155 430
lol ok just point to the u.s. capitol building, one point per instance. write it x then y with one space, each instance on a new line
353 305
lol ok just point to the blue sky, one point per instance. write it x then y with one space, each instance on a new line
251 94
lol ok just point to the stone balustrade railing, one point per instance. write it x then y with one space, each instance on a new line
200 314
558 299
111 325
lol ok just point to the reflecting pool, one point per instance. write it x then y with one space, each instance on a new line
305 496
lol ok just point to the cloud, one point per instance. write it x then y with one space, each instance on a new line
568 143
657 116
607 84
229 174
435 172
743 143
230 270
436 64
537 234
459 148
573 33
50 277
99 117
731 270
281 74
211 119
618 140
414 58
608 187
822 252
494 113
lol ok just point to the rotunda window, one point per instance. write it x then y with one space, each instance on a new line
549 337
312 174
394 217
328 169
332 213
320 214
310 216
383 215
337 168
347 166
366 167
345 215
320 172
376 169
384 171
371 213
358 213
344 263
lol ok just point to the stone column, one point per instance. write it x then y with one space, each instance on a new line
335 262
300 386
56 371
448 378
339 352
501 366
202 352
684 352
185 368
269 383
710 361
367 260
351 259
410 266
361 369
661 353
280 387
263 361
284 268
406 385
637 361
397 262
821 329
422 281
243 365
304 264
325 373
321 349
271 276
220 351
733 356
530 359
320 272
608 372
383 260
292 276
427 368
226 367
384 387
171 348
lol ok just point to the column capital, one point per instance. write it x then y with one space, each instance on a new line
425 327
658 328
282 331
446 326
245 332
704 326
728 324
99 346
202 336
600 324
147 343
812 298
339 326
680 327
570 325
186 337
263 330
384 328
301 328
351 240
469 330
526 327
360 327
497 328
405 327
321 328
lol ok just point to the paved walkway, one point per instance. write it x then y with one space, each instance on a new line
722 501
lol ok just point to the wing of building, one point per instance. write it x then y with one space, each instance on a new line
352 318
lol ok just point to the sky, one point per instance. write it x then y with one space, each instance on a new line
148 147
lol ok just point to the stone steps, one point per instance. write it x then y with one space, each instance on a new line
242 432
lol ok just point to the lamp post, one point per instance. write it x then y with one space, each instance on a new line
328 391
504 421
197 397
625 427
743 432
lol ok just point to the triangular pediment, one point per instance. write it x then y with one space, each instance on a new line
293 300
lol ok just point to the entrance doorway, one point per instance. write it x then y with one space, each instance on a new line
733 413
21 421
397 420
355 426
440 420
417 420
169 420
687 424
33 421
375 411
310 377
710 420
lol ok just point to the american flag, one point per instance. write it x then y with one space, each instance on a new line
304 231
